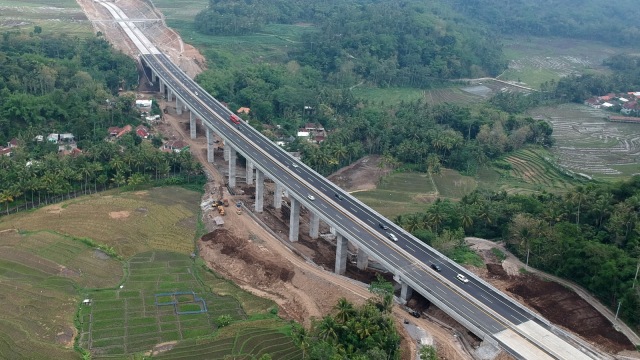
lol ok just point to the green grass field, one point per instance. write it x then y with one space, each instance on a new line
60 16
532 168
129 320
399 193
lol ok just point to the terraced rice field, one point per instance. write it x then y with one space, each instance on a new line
533 169
399 193
128 319
453 185
130 222
237 342
586 143
39 275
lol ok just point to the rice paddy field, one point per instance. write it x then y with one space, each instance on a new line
129 222
63 16
160 300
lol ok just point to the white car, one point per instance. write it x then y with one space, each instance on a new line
311 197
295 165
393 237
462 278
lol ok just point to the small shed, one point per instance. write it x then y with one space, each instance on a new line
86 302
219 220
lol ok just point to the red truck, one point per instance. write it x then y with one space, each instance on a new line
234 119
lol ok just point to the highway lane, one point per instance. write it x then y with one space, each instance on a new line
413 246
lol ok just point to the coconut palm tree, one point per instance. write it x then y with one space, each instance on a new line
344 310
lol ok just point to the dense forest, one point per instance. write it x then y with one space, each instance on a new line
381 42
51 83
615 24
590 235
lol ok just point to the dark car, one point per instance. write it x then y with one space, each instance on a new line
436 267
383 226
339 197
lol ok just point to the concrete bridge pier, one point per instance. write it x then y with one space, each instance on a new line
294 220
362 259
277 197
178 106
210 148
162 90
169 94
227 146
341 254
259 191
192 124
154 77
232 167
249 172
314 225
405 292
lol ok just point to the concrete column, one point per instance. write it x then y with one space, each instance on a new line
178 106
154 78
259 191
192 124
169 94
162 88
363 259
210 148
405 292
341 255
314 225
226 151
249 172
232 167
277 196
294 220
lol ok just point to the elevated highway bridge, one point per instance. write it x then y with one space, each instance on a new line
484 310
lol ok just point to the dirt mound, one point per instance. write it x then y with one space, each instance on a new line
496 271
361 175
242 250
564 307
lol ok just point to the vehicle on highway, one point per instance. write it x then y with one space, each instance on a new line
196 93
234 119
436 267
339 197
392 237
383 226
311 197
295 165
462 278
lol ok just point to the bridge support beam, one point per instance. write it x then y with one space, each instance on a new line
405 292
259 191
249 172
314 225
341 254
178 106
362 259
192 124
277 197
294 220
232 167
210 148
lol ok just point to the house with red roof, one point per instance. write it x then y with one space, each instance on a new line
142 131
174 146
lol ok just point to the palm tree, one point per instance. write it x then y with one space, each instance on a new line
6 196
328 328
344 310
119 179
466 216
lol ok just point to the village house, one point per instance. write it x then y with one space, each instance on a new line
142 131
626 103
58 138
174 146
5 151
117 132
243 110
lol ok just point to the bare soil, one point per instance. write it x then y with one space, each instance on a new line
557 303
362 175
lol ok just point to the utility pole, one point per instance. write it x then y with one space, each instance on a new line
617 311
526 267
636 277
